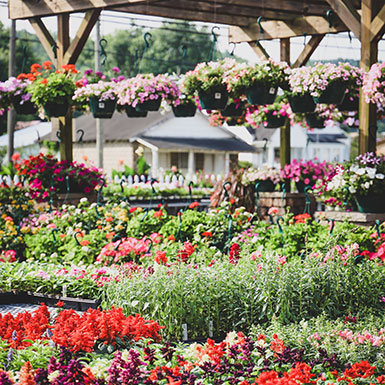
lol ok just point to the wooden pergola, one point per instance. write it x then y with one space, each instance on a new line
250 21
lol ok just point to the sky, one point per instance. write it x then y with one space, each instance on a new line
332 47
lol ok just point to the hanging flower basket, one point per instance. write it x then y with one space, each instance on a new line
184 110
371 203
233 109
149 105
264 185
132 112
261 95
55 110
27 108
102 109
333 94
314 120
213 100
350 103
302 103
274 121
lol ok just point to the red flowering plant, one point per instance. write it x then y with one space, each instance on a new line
46 176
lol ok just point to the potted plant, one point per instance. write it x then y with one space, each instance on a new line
146 92
299 96
207 80
354 82
374 85
364 179
264 178
305 173
185 105
53 90
100 93
270 116
258 82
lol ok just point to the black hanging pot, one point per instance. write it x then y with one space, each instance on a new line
213 100
55 110
261 95
184 110
274 121
313 120
233 109
233 121
350 103
132 112
266 185
102 109
333 94
371 203
27 108
301 103
149 105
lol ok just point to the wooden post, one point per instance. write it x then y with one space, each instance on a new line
65 123
369 54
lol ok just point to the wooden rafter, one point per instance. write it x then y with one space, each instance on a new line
310 25
47 41
259 50
377 28
348 14
308 50
76 46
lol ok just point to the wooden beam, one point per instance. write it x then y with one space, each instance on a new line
76 46
47 41
259 50
25 9
377 28
348 14
369 55
308 50
310 25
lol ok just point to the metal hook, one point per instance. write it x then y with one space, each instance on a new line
304 39
38 138
81 134
225 189
184 50
259 20
350 37
215 39
103 53
147 37
54 48
58 135
150 246
329 14
76 236
265 145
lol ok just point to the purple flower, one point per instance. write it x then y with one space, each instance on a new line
116 69
88 72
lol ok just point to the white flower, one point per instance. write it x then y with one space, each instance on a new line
380 176
360 171
352 190
371 172
85 249
83 200
367 185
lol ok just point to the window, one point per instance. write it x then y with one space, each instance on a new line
199 159
179 159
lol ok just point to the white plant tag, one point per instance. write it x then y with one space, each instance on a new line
184 330
272 91
217 95
64 291
101 105
211 329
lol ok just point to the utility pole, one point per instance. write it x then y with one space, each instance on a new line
99 123
11 118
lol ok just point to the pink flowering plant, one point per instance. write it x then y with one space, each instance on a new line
46 175
260 115
307 172
12 91
251 175
145 87
374 85
316 79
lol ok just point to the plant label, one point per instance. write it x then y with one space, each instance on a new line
101 105
211 329
217 95
184 330
272 91
64 291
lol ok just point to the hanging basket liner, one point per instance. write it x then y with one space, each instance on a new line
349 104
261 95
149 105
213 100
132 112
233 109
371 203
274 121
264 185
184 110
102 109
301 103
27 108
313 120
333 94
54 110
